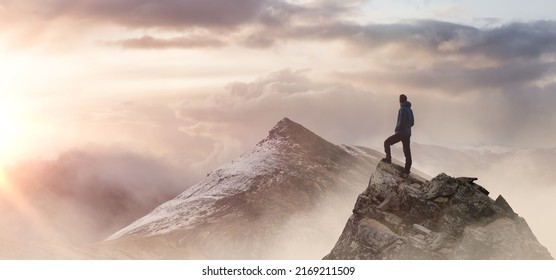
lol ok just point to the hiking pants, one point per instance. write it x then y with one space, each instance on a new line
406 149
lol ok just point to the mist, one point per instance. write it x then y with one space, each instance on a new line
311 235
83 196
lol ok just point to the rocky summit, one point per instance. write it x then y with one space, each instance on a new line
444 218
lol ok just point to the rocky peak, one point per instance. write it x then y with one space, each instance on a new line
291 131
286 127
444 218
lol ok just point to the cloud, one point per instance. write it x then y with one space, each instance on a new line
150 125
85 195
510 41
51 23
528 115
176 14
149 42
144 13
529 40
452 78
199 131
220 18
258 105
260 24
345 114
471 68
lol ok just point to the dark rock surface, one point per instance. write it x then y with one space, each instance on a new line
444 218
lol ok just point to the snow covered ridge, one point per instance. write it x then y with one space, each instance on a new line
193 204
281 155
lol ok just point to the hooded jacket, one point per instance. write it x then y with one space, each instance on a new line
405 120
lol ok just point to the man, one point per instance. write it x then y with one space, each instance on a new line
402 133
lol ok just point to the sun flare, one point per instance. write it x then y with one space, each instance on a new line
10 134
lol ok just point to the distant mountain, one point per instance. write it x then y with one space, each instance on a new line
285 198
444 218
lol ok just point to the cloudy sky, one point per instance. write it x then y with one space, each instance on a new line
199 82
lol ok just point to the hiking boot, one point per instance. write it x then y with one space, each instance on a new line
387 160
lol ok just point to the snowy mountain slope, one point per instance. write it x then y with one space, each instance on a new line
247 207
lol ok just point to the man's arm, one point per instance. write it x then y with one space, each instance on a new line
399 121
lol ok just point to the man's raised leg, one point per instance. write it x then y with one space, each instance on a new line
389 142
407 154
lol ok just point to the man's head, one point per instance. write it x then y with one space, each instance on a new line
403 98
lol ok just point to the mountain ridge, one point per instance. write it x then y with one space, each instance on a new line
225 181
283 178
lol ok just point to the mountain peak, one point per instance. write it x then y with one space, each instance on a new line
287 127
291 131
444 218
247 208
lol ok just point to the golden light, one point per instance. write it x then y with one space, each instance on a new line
9 193
4 184
8 129
10 134
12 127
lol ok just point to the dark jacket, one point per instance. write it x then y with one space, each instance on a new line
405 120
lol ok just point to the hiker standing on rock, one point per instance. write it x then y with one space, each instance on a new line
402 133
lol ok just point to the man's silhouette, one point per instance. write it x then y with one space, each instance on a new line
402 133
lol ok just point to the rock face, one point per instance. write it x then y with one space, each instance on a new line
444 218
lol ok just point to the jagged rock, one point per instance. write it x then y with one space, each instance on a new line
442 186
421 229
391 219
392 202
444 218
467 179
374 235
502 203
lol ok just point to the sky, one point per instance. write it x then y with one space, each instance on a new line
199 82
